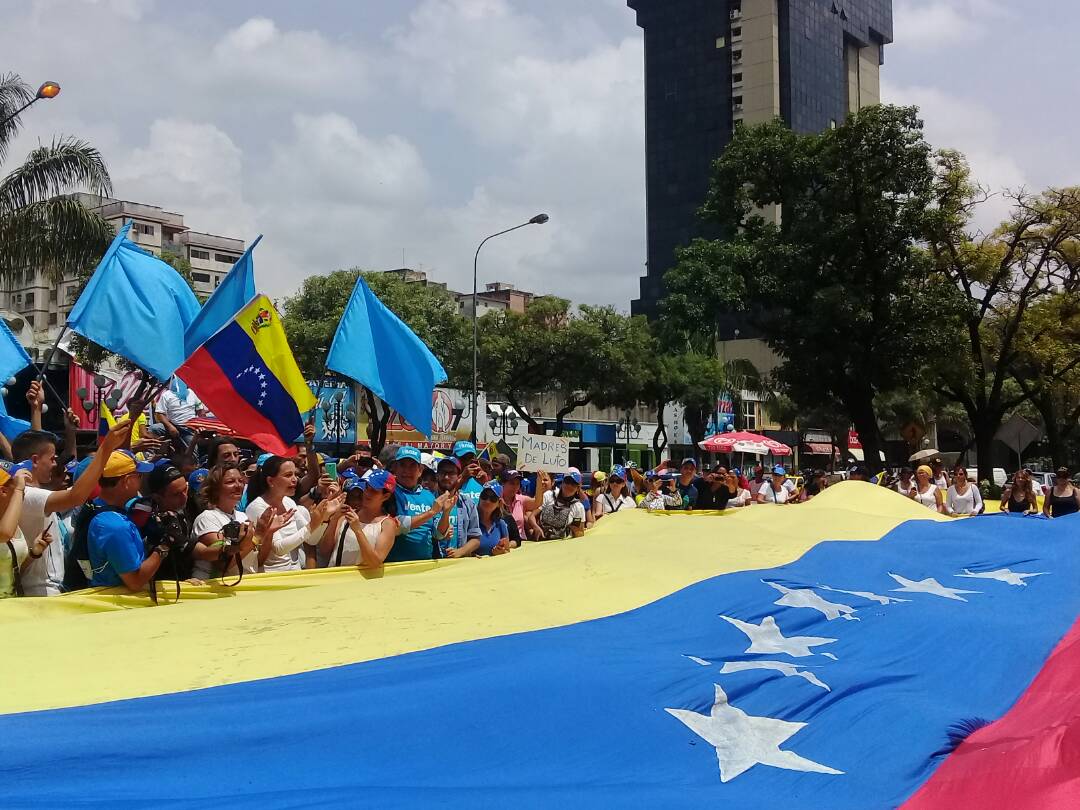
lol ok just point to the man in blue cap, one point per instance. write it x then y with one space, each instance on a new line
689 482
471 487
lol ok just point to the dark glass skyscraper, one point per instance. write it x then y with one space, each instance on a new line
712 63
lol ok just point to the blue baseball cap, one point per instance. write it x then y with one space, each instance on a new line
265 457
408 452
779 470
463 448
573 476
80 468
196 479
691 461
379 479
493 487
651 475
618 471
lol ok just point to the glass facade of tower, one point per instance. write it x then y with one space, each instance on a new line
709 63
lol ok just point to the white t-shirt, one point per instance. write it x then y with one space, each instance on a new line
214 520
7 575
743 498
970 503
609 503
941 482
286 555
176 410
772 496
44 577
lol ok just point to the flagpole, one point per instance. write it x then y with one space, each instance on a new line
52 353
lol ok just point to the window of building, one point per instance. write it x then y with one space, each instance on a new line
736 56
18 299
225 258
721 42
29 299
69 293
52 295
749 409
736 78
203 278
145 229
52 319
736 32
30 321
200 254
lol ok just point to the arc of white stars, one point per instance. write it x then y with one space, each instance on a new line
1008 576
929 586
766 638
742 740
806 598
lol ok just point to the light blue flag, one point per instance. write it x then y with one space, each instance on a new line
375 348
138 307
232 295
13 357
9 425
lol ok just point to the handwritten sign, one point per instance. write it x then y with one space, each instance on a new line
549 453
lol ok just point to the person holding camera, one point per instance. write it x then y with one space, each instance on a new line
116 549
168 521
224 537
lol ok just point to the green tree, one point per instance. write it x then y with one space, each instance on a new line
311 318
837 284
595 355
40 227
999 280
1047 370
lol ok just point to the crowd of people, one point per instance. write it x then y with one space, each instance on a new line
931 486
180 505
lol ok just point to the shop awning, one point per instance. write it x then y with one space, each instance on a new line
857 454
818 448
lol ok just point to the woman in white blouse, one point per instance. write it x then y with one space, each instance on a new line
272 488
963 498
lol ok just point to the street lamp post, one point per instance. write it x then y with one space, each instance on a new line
503 420
47 90
628 425
539 219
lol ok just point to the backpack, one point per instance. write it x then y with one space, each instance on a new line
78 571
554 519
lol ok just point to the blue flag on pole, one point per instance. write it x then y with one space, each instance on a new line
13 357
374 347
138 307
10 426
232 295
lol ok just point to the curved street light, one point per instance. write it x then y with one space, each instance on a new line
47 90
539 219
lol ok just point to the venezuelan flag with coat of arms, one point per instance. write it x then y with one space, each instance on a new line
247 375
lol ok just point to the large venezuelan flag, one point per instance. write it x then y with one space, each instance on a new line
761 659
248 377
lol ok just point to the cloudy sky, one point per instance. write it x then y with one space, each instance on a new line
353 133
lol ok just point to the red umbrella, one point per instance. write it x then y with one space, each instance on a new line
743 442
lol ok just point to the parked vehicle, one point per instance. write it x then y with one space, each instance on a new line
999 479
1044 480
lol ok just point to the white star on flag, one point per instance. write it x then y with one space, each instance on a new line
743 741
867 595
930 586
1005 575
788 670
766 638
805 598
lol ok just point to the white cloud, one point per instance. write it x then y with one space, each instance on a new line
931 25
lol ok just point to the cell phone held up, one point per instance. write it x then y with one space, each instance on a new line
330 468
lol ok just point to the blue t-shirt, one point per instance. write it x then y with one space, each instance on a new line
464 524
416 544
115 547
472 490
489 538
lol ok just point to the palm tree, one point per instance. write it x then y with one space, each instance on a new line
41 227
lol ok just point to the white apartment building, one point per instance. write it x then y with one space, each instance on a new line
36 310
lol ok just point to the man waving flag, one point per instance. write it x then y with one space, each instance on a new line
247 376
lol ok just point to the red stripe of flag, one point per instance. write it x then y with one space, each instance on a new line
216 391
1027 760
